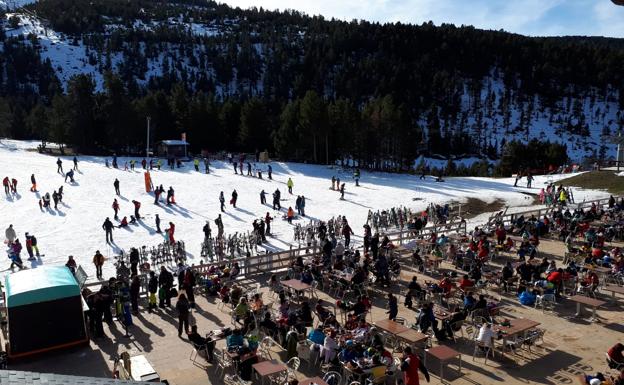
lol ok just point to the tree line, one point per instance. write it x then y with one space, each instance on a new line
304 88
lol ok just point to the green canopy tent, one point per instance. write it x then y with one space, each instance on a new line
44 310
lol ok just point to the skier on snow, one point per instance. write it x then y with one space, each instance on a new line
70 175
10 234
116 185
34 183
219 223
116 208
222 201
137 206
290 185
108 228
234 198
5 183
207 231
276 200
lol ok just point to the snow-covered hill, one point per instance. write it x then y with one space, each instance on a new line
493 116
76 227
14 4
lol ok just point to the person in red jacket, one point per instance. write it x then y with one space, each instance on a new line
410 366
137 206
556 278
116 208
5 183
446 285
483 254
501 234
171 232
465 283
14 185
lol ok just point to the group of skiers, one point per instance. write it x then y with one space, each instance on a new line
555 195
170 195
206 164
10 186
251 170
14 247
45 201
519 177
341 187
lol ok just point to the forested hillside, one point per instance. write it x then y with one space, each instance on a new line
305 88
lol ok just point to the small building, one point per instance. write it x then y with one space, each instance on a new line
44 311
172 149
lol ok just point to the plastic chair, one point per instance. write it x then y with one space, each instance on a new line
531 340
223 362
292 365
546 302
196 353
612 364
457 327
235 380
478 347
313 292
333 378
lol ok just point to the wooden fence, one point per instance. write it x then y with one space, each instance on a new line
263 263
406 235
507 219
249 266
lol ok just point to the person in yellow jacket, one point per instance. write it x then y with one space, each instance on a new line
290 185
196 164
562 197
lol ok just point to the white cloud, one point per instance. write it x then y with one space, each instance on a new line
532 17
610 21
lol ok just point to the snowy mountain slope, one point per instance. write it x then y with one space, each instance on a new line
67 59
489 116
14 4
75 228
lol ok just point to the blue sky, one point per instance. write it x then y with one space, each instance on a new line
528 17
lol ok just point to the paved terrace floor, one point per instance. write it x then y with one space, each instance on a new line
570 348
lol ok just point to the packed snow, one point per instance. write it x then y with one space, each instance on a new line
76 227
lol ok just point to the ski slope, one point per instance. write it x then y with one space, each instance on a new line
76 227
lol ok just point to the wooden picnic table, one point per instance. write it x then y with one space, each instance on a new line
269 367
614 289
391 326
443 354
296 284
434 262
516 326
342 275
441 313
412 336
598 269
587 301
